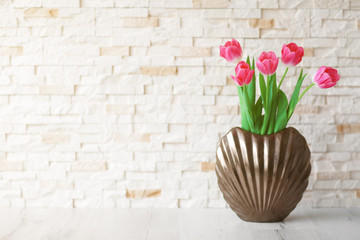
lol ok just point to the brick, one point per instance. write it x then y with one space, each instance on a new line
24 175
207 166
143 193
210 3
269 4
85 166
120 109
140 22
292 4
169 137
195 52
331 4
55 138
41 13
11 51
247 13
327 184
135 137
25 3
332 175
11 166
97 3
217 110
308 52
158 71
261 23
348 128
114 51
132 3
305 109
56 90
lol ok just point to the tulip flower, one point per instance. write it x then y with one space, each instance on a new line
267 63
243 74
291 54
231 51
326 77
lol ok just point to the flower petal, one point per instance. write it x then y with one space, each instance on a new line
235 43
275 65
261 67
318 74
327 85
237 81
267 66
287 58
222 51
249 76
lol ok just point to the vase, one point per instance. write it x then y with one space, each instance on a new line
263 177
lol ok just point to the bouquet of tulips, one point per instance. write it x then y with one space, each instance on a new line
271 112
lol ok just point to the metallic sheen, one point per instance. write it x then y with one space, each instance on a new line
263 177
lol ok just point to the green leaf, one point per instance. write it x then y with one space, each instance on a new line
267 108
281 118
270 91
258 124
244 121
273 115
257 112
295 96
273 79
251 89
249 109
271 110
258 107
262 89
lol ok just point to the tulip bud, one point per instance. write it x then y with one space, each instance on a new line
231 51
267 63
243 74
326 77
291 54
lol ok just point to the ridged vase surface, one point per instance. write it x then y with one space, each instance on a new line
263 177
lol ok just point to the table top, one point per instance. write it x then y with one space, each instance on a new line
174 224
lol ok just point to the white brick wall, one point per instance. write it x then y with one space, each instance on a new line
121 103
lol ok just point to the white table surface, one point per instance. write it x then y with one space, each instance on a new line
174 224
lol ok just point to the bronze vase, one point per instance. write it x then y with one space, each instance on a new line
263 177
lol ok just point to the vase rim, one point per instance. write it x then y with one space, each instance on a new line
285 129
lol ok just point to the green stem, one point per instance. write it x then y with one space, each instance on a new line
244 119
249 111
266 108
283 77
272 118
307 89
274 105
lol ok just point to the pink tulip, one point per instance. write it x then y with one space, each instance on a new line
267 63
326 77
291 54
243 74
231 51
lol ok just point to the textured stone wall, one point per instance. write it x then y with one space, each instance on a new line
121 103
